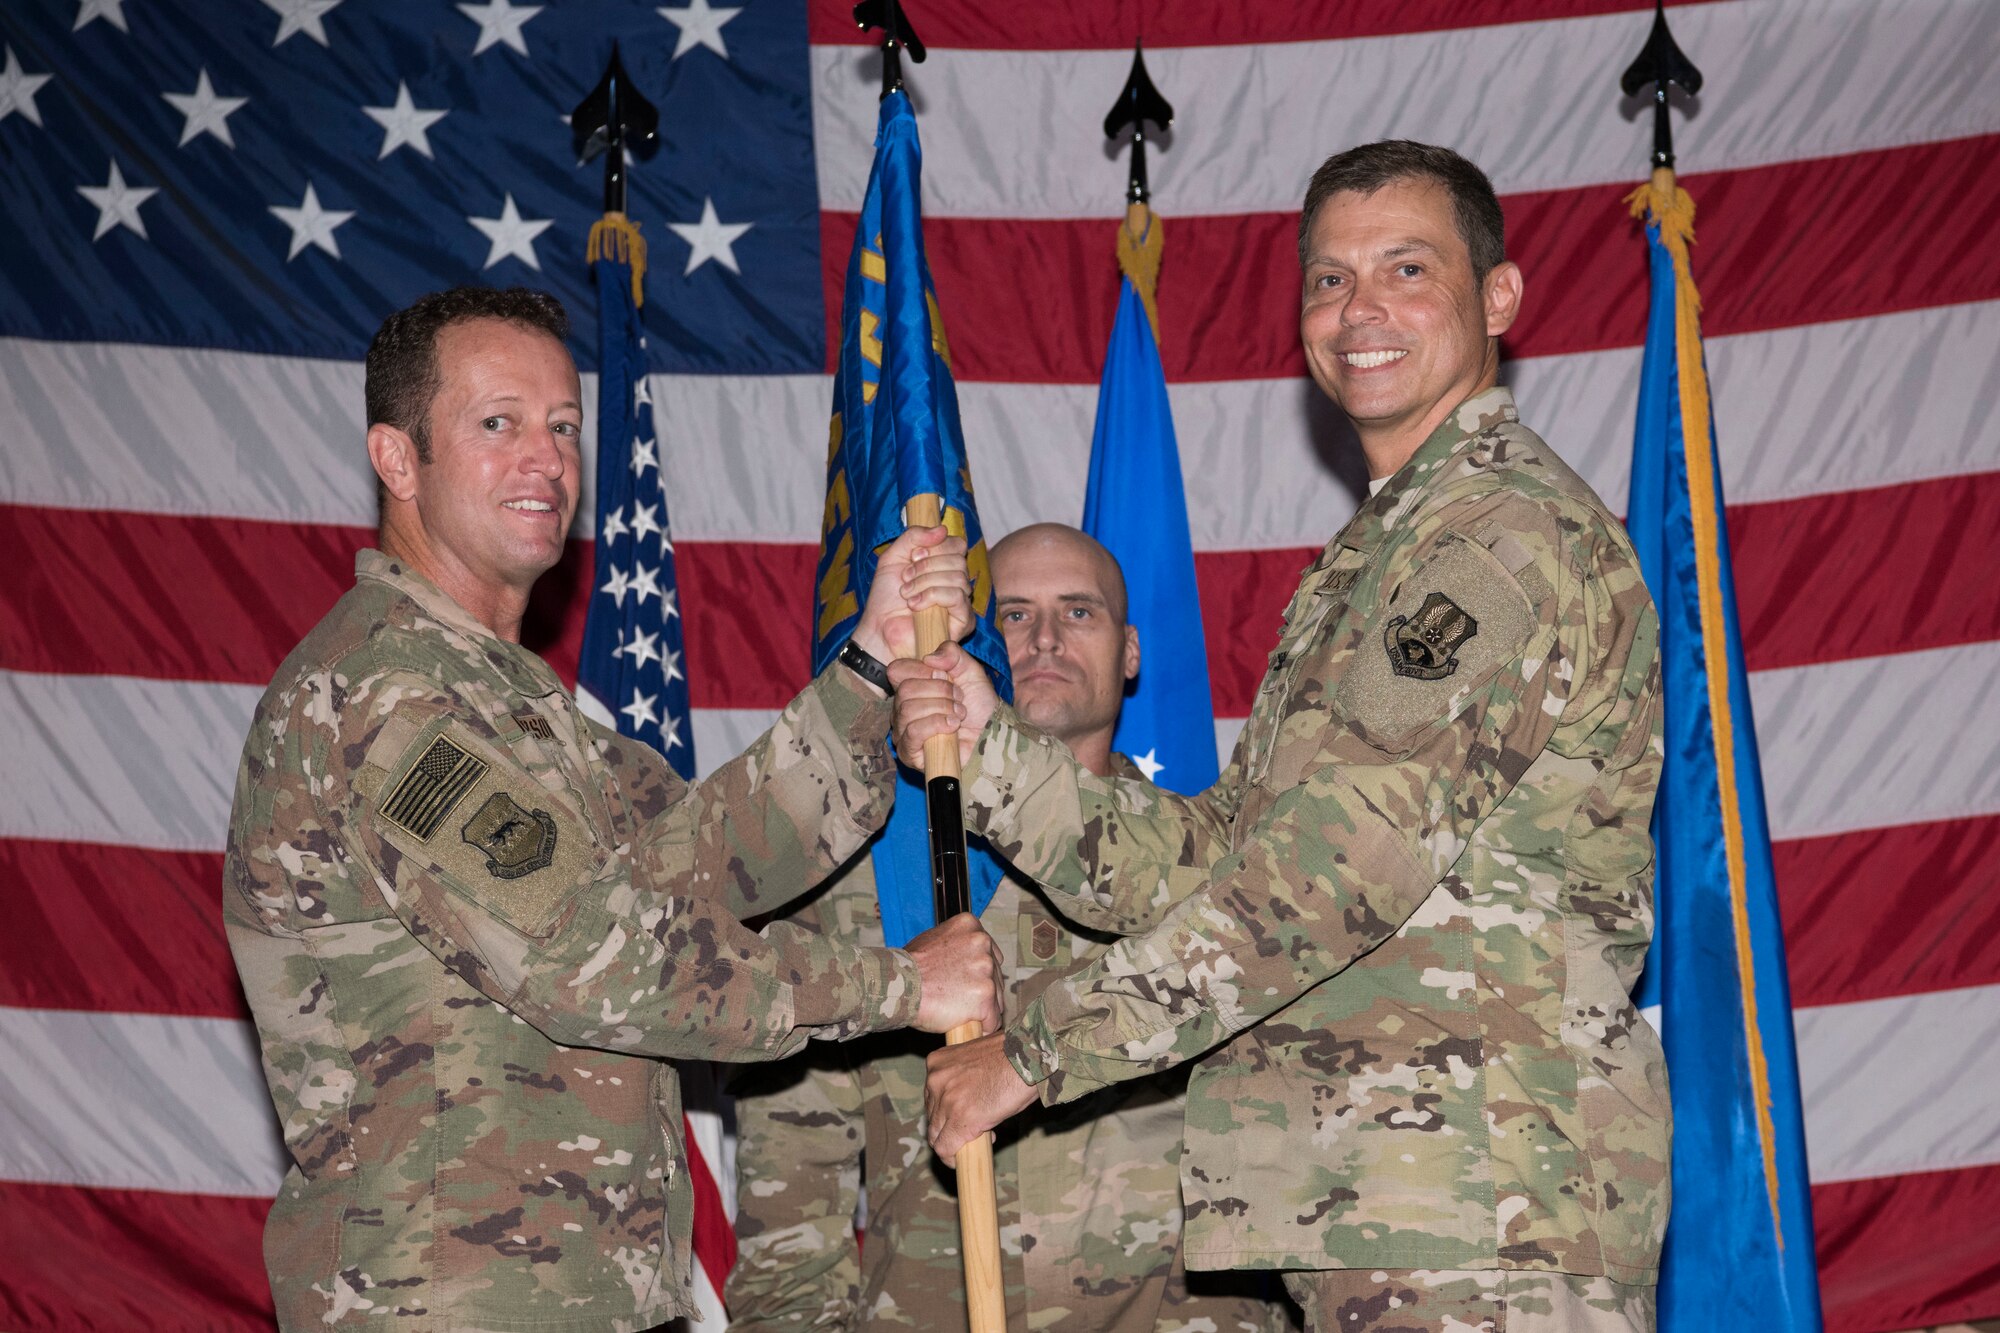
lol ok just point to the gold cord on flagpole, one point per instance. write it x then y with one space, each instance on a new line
1141 241
615 236
1672 210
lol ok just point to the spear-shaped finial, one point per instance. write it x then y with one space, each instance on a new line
1138 102
1659 64
615 117
897 36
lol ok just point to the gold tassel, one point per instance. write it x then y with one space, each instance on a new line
1140 244
615 236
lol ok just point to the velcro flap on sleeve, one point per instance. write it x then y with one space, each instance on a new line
1456 620
499 838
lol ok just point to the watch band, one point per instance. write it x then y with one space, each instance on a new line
863 664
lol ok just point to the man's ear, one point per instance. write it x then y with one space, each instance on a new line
1501 295
394 455
1131 652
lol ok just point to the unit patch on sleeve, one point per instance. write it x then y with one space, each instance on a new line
1423 646
432 789
517 842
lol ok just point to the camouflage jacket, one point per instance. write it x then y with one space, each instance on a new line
1089 1193
1421 895
469 921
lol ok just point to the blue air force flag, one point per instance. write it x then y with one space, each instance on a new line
895 434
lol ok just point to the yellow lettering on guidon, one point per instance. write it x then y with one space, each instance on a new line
837 599
976 563
938 343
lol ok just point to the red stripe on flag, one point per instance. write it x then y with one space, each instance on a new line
1851 574
85 1260
714 1237
1893 569
1116 25
117 929
1901 1252
1029 301
1891 911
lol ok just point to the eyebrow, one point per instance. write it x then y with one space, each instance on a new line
1095 599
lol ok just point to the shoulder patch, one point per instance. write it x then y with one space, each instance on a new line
535 725
1422 646
516 841
432 789
1458 618
500 839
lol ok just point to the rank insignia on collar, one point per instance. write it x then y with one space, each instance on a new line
517 842
1422 646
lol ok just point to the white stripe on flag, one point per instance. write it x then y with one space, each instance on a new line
1800 411
141 1101
1846 745
1005 132
137 1101
1893 1086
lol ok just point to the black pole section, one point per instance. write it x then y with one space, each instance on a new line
614 117
1139 102
897 36
951 889
1659 64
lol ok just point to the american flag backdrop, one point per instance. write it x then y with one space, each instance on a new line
206 206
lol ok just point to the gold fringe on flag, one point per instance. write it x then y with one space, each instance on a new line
615 236
1672 209
1140 244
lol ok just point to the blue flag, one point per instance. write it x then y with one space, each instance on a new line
1136 506
895 435
1739 1252
631 673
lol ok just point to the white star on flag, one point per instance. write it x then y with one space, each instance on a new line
642 392
311 224
111 11
710 238
617 587
644 648
18 89
1148 765
670 664
117 203
403 123
700 26
511 234
645 521
640 710
500 22
670 605
614 525
206 113
670 730
644 455
301 16
646 583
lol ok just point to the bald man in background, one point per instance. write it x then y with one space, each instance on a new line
1090 1201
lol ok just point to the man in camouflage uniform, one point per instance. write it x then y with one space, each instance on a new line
1401 932
1089 1194
469 920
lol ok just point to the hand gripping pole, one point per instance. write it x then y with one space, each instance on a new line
978 1209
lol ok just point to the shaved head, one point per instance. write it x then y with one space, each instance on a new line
1075 544
1061 606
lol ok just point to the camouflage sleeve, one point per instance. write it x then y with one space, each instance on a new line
1414 754
790 810
514 885
1114 853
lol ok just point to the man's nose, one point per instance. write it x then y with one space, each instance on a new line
543 452
1363 306
1047 636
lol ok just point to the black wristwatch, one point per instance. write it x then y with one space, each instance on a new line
863 664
